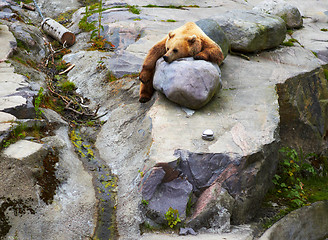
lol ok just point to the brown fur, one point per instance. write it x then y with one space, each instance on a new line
186 41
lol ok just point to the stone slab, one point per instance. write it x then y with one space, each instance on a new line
7 42
6 122
244 116
23 150
12 102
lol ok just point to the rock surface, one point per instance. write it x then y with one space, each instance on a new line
189 83
308 222
249 118
212 29
250 31
289 13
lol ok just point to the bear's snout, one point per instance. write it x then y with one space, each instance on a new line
166 58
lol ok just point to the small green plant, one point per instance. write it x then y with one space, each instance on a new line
67 86
97 41
110 77
133 9
325 72
61 65
84 24
90 123
290 172
290 42
22 45
314 53
141 173
144 202
172 217
37 102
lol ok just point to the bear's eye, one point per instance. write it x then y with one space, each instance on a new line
175 50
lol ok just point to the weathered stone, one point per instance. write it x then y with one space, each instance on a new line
121 35
187 82
213 210
212 29
309 222
186 231
7 15
30 153
250 31
6 122
174 194
90 74
289 13
72 213
303 111
7 42
31 40
52 117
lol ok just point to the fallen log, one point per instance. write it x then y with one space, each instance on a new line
58 32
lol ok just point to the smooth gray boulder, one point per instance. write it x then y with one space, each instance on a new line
250 31
212 29
309 222
289 13
186 82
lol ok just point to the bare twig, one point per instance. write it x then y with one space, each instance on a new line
67 69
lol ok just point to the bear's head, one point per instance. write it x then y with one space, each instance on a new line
181 46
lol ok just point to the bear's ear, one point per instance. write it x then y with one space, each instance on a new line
192 39
171 34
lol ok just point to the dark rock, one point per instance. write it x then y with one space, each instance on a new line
24 108
174 194
186 231
246 180
190 83
303 112
150 181
212 29
202 170
250 31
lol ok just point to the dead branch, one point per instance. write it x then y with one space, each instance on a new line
67 69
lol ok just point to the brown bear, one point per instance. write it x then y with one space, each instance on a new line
186 41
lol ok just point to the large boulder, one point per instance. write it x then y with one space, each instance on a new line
250 31
309 222
212 29
289 13
189 83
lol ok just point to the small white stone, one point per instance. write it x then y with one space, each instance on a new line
208 134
